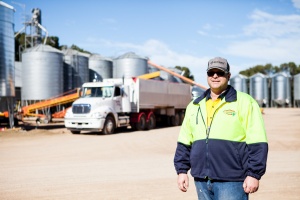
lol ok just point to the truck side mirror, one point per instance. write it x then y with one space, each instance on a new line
79 92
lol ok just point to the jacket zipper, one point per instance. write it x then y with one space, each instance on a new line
207 133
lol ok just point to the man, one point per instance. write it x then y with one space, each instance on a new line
222 140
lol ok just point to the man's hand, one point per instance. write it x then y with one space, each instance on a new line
250 184
183 182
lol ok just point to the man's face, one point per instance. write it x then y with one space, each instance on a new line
217 80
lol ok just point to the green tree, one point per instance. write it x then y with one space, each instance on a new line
75 47
270 69
52 41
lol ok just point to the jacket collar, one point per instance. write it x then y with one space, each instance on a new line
230 95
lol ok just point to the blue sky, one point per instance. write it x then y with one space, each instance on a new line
176 32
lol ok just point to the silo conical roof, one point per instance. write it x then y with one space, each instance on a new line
42 48
131 55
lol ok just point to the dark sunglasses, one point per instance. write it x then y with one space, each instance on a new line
219 73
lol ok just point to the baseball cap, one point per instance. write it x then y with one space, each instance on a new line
218 63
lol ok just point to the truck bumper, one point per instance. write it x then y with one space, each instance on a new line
84 124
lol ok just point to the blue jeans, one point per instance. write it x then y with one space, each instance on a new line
220 190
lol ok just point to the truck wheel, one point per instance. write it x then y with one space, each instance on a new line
141 124
109 126
75 132
151 124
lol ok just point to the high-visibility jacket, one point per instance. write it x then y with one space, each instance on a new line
233 147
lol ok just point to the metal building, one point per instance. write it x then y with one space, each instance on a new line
42 73
297 90
129 65
100 68
76 69
281 90
258 89
239 82
7 57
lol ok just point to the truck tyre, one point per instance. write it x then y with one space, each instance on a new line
109 126
141 124
75 132
151 124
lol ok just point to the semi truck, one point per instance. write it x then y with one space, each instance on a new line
128 102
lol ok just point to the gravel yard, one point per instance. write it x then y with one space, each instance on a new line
48 162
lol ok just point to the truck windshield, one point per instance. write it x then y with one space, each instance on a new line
105 92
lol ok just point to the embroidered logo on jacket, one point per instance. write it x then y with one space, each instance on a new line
229 112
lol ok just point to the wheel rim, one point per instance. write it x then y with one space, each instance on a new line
109 126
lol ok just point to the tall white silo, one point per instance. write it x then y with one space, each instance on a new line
169 77
42 73
258 89
297 90
100 67
239 82
281 90
76 69
7 51
129 65
7 57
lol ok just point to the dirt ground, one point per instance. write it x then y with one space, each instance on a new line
48 162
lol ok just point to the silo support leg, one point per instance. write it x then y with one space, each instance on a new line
10 109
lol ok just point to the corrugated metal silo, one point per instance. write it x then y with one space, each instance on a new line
152 69
258 89
76 69
281 90
42 76
18 74
7 51
100 67
18 80
129 65
239 82
169 77
297 90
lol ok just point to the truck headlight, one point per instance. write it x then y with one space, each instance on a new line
97 115
68 114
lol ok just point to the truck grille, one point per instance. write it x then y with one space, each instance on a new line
81 108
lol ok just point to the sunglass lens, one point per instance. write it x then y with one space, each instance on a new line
213 73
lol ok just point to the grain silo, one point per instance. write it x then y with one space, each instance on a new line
129 65
100 67
258 89
7 55
281 90
297 90
152 69
42 73
18 80
169 77
76 69
7 51
239 82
